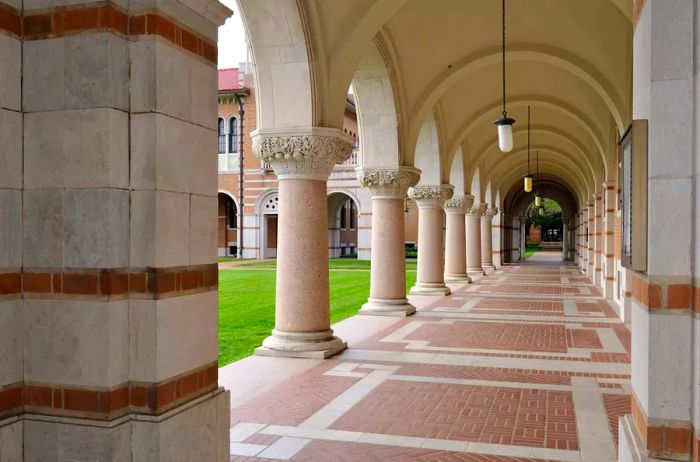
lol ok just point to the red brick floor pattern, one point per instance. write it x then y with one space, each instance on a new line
332 451
486 373
498 336
616 406
528 289
531 305
583 338
497 415
294 400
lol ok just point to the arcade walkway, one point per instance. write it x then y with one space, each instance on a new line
528 363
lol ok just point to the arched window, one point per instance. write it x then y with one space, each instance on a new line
222 137
233 135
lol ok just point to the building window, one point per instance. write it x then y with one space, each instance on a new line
233 135
222 137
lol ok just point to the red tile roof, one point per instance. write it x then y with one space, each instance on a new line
228 79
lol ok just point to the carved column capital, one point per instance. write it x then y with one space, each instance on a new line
308 153
489 213
431 195
390 182
459 204
476 210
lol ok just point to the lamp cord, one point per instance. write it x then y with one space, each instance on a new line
503 53
528 139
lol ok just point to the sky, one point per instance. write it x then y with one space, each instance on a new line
232 44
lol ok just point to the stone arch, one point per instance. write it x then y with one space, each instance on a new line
377 117
519 52
475 187
427 153
284 88
456 177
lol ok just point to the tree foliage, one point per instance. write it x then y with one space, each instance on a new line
551 217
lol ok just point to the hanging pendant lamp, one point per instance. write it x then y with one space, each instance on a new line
528 178
505 123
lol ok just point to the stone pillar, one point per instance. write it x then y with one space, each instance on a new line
456 238
108 236
387 292
302 159
565 238
582 240
522 236
598 239
665 420
497 233
473 220
608 232
430 200
590 240
487 239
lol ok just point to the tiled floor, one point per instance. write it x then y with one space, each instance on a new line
528 363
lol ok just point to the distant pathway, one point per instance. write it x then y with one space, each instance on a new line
529 363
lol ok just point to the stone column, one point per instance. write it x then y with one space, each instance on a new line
565 238
431 251
609 241
487 239
456 242
582 247
473 221
587 240
522 236
302 159
497 233
598 239
388 187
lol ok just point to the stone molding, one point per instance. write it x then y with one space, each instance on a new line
302 153
477 210
388 182
431 195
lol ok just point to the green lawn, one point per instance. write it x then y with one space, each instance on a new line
530 250
247 302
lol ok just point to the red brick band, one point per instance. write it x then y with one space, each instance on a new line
662 438
659 295
112 284
61 21
108 404
10 21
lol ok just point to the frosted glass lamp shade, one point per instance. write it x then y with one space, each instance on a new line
505 134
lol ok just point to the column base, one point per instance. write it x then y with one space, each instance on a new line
317 345
430 288
477 271
387 307
457 277
488 268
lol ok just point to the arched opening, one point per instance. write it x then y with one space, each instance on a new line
544 226
343 213
227 226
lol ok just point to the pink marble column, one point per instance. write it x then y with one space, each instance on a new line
456 240
473 221
387 291
302 159
430 278
486 239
